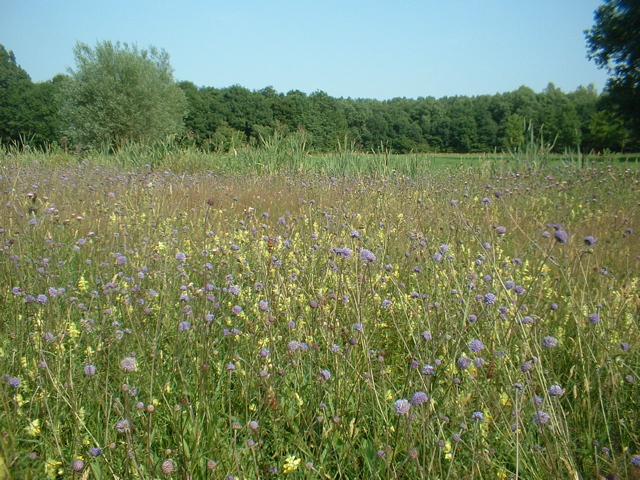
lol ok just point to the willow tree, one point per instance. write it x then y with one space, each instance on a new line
119 94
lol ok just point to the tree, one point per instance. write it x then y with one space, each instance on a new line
613 43
119 94
15 86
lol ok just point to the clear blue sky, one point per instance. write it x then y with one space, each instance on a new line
347 48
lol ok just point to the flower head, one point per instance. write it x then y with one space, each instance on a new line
402 406
128 364
419 398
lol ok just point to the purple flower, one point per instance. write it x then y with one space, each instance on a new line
385 303
594 318
402 406
263 305
555 391
419 398
501 230
561 236
324 375
358 327
355 234
478 416
184 326
234 289
428 370
464 362
237 310
77 465
90 369
123 425
231 367
95 451
181 257
589 241
489 299
519 290
426 335
14 382
367 256
473 318
541 417
128 364
635 460
475 345
526 367
526 320
549 342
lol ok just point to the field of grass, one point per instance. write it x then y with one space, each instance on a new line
433 323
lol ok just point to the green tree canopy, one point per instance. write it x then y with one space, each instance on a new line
613 43
15 88
120 94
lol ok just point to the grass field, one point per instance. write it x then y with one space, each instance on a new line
282 320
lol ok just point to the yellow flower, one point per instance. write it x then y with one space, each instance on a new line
290 464
33 428
82 284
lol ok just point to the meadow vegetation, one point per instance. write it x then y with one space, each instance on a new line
310 317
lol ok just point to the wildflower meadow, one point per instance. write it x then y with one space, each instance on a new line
461 323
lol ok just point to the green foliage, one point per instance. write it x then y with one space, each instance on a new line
27 110
613 44
119 94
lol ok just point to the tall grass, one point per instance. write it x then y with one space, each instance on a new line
163 324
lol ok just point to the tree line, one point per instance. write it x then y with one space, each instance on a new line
142 102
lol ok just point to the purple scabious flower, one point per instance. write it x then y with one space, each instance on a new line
181 257
342 252
477 416
14 382
549 342
526 320
589 241
519 289
263 305
367 256
500 230
183 326
594 318
237 310
473 318
509 284
489 299
561 236
478 362
358 327
541 417
385 303
428 370
419 398
128 364
402 406
476 345
324 375
555 391
464 362
90 369
95 451
427 335
635 460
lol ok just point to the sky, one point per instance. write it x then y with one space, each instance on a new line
378 49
